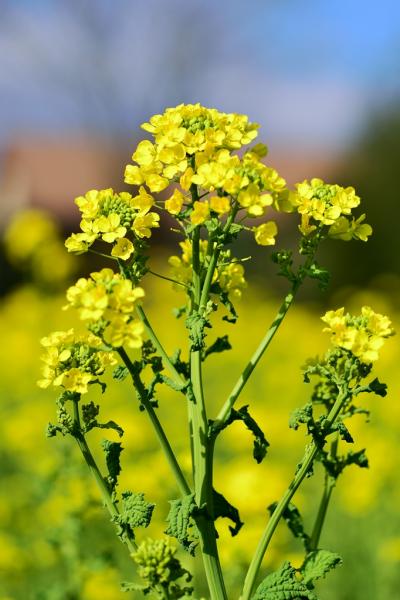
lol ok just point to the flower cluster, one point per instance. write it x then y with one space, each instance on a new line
321 204
180 133
195 146
363 335
110 217
107 301
229 275
73 361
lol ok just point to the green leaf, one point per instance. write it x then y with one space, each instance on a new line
317 564
113 452
220 345
196 324
178 386
283 585
120 373
127 586
300 416
180 522
343 432
378 388
136 512
260 442
223 508
294 521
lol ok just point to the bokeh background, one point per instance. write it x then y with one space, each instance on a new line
77 78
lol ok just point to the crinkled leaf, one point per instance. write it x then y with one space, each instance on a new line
223 508
301 415
196 324
112 451
127 586
220 345
136 512
357 458
260 442
319 273
294 521
378 388
180 522
283 585
178 386
111 425
318 563
343 432
120 373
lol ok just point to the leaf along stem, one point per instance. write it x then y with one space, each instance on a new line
329 484
183 486
304 469
158 345
94 469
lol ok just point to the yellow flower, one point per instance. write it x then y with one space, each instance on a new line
133 175
75 380
363 336
145 153
200 212
110 227
174 204
120 332
142 202
88 204
231 279
265 233
220 204
186 179
123 249
143 224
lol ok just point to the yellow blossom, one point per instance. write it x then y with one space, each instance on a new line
174 204
265 233
143 224
220 204
200 212
123 249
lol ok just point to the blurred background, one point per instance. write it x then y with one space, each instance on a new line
77 78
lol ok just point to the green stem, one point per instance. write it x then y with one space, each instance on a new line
305 466
94 469
201 450
265 342
160 348
329 484
184 487
251 365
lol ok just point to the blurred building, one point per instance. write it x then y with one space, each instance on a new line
49 172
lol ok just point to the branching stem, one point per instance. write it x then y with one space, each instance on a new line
304 469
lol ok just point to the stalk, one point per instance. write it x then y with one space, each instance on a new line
306 463
94 469
158 345
201 451
329 484
263 345
183 486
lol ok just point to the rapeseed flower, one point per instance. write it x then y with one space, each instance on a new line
363 336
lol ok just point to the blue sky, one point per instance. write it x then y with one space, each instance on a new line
312 71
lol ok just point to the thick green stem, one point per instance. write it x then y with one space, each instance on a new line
305 466
201 450
94 469
329 484
184 487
